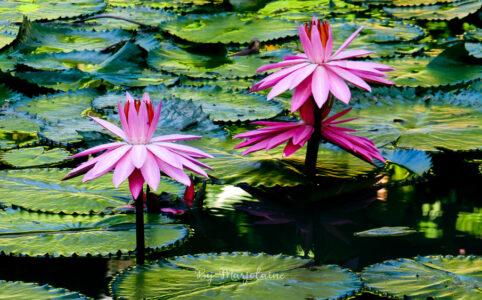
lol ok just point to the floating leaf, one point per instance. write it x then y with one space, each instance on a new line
12 10
34 157
145 15
35 37
302 10
39 234
43 190
419 125
85 61
27 290
436 277
416 161
182 60
235 275
428 72
400 2
8 32
386 231
229 28
454 10
182 5
222 105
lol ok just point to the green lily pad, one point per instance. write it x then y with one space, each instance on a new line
454 10
25 233
222 105
235 276
229 28
436 277
34 157
301 10
35 37
470 222
400 2
181 60
428 72
176 5
11 136
7 96
268 169
145 15
57 107
68 80
226 84
85 61
386 231
420 125
43 190
28 290
12 10
8 33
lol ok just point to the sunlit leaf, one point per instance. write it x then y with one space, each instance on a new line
39 234
235 275
386 231
454 10
34 157
27 290
436 277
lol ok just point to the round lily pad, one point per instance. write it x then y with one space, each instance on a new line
34 157
302 10
429 72
400 2
25 233
48 9
436 277
235 276
185 61
454 10
420 125
222 105
176 5
8 32
28 290
229 28
43 190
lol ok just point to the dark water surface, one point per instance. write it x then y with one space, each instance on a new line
444 211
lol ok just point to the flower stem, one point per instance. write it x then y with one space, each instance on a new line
140 242
313 143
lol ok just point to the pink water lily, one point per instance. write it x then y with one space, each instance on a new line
140 157
297 133
318 72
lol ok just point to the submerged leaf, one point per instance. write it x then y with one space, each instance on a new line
235 275
436 277
39 234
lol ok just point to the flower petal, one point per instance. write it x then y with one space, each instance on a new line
320 86
305 41
174 137
301 94
290 148
123 119
351 53
136 181
338 87
350 77
138 155
186 149
329 44
154 122
111 127
174 173
280 64
150 171
347 41
123 170
109 160
317 49
165 155
98 149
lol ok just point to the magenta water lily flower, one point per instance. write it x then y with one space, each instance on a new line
297 133
318 72
140 157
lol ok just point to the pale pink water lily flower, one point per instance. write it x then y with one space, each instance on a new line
318 72
140 157
297 133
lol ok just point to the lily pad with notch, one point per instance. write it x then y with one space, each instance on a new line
29 290
42 190
34 157
434 277
228 28
24 233
235 275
